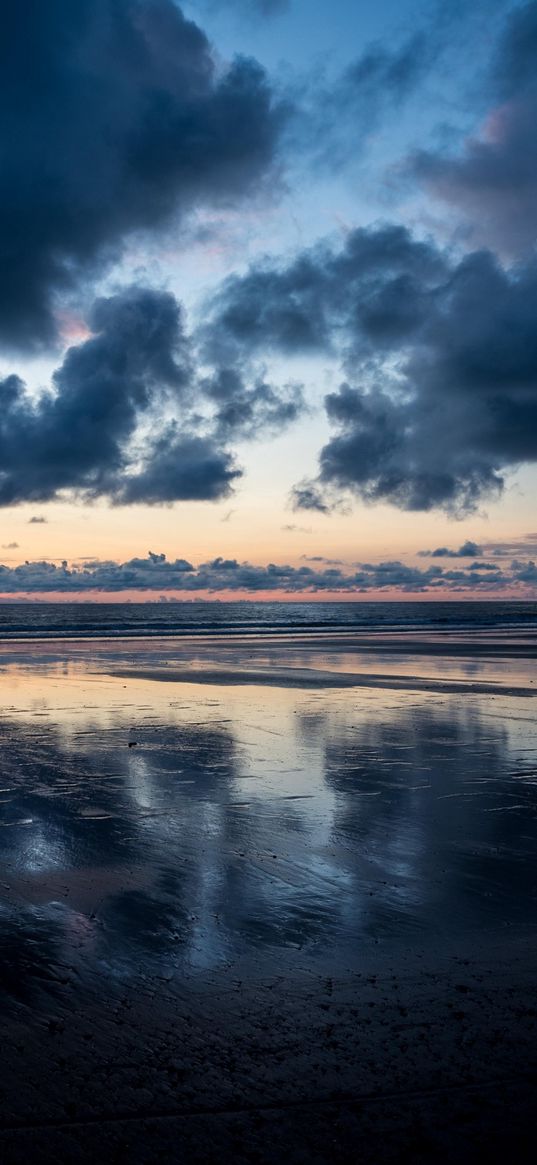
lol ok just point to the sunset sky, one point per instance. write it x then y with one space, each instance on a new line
267 316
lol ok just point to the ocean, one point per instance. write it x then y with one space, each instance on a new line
78 620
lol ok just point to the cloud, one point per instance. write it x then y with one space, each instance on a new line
524 572
492 181
249 410
75 437
36 520
484 566
130 418
292 528
10 546
334 117
125 121
321 558
189 468
467 550
264 9
156 574
377 283
526 544
440 357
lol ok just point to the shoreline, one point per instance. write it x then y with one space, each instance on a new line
498 643
449 640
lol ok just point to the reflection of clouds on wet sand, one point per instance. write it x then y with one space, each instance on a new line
189 827
414 797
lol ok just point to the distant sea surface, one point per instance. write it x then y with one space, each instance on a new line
115 620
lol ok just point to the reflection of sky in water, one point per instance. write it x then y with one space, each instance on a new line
488 656
248 820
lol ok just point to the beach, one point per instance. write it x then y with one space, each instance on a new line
269 898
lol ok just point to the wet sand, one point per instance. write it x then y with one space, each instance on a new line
245 920
303 677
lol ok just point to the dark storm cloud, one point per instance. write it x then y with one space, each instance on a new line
156 574
190 468
75 437
467 550
251 409
462 407
114 117
130 418
377 284
493 181
440 355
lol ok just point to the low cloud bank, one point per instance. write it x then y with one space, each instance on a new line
225 576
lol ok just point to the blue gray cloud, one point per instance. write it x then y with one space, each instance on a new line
468 549
333 117
225 576
129 121
130 418
439 355
114 118
491 183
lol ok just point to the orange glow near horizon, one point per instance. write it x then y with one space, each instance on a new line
370 596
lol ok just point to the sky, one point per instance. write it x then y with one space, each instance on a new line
267 320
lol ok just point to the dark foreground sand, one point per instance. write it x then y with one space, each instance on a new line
252 922
426 1063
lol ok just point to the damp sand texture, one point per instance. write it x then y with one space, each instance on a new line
253 921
